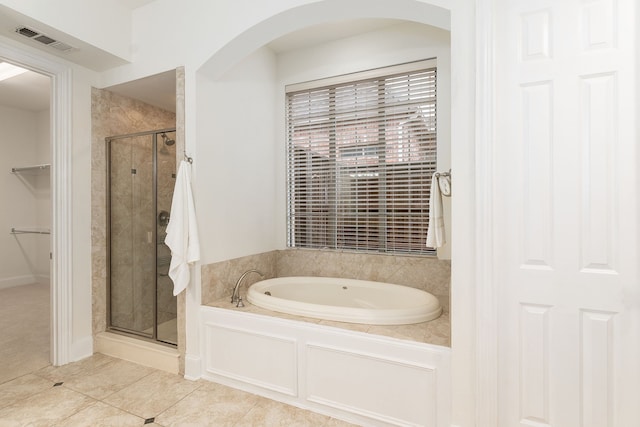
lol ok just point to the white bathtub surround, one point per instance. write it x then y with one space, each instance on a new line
345 300
374 375
436 332
361 378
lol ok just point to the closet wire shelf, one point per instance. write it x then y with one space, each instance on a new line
30 168
26 231
35 168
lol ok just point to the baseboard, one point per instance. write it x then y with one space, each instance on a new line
192 367
11 282
43 279
142 352
81 349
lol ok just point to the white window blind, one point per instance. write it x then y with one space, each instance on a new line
361 155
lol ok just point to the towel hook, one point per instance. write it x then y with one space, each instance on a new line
444 182
439 174
187 158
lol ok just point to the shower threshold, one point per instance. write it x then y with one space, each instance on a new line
146 353
167 331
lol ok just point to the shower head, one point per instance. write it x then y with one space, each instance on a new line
167 141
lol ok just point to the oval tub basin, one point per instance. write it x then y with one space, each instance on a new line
345 300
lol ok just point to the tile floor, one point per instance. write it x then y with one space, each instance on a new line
24 330
105 391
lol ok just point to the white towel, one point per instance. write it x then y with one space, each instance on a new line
182 230
435 234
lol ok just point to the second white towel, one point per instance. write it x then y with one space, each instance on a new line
436 235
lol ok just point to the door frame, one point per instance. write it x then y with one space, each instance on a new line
61 196
486 296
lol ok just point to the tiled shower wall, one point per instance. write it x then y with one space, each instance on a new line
111 115
429 274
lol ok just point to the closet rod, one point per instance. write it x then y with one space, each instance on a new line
30 168
21 231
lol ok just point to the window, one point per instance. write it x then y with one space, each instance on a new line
361 154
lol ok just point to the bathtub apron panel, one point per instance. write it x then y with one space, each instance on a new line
361 378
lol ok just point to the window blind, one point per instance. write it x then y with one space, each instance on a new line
361 155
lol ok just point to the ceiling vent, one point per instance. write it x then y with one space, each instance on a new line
43 39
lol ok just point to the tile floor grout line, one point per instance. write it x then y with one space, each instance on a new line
48 390
250 409
30 395
123 410
181 399
76 412
29 412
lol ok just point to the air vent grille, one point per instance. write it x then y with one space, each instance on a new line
61 46
26 32
44 39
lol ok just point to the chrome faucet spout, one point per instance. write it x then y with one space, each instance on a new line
235 295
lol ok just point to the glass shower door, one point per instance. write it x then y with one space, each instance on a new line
166 303
131 226
141 178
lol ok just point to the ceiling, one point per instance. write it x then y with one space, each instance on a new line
30 91
158 90
134 4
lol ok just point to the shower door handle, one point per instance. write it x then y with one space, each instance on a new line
163 218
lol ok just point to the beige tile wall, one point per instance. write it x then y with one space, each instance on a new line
430 274
218 279
426 273
111 115
181 151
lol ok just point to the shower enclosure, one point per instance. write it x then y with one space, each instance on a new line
141 171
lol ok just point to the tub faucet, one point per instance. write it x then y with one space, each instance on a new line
235 296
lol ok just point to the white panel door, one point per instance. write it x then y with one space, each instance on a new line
566 203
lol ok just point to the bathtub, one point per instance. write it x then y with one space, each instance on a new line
345 300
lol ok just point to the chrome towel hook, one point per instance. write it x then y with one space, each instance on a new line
444 182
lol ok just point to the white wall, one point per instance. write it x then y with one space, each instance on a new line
234 175
27 197
82 338
220 34
240 179
18 192
79 290
392 45
43 197
103 24
197 29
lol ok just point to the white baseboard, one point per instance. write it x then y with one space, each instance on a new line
192 367
11 282
142 352
81 349
43 279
